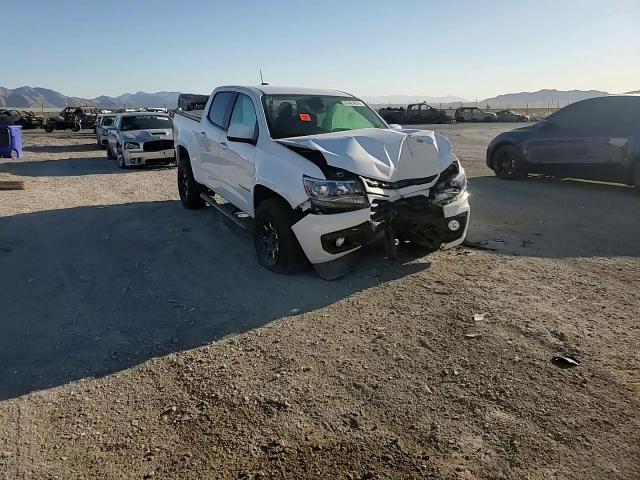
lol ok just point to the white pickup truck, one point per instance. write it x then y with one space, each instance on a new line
317 174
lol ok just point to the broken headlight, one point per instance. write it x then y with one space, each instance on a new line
450 186
338 194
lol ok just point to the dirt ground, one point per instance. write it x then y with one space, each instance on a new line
142 340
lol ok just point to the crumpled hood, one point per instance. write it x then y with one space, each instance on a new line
381 154
145 135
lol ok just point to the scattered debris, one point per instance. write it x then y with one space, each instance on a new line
483 245
478 317
565 362
473 335
11 185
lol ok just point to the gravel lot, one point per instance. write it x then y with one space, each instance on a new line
142 340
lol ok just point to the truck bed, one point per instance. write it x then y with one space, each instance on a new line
192 114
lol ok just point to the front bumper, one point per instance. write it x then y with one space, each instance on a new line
140 157
317 234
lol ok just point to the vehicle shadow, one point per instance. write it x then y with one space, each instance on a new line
554 218
67 167
90 291
85 147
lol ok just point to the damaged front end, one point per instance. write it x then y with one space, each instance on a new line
347 211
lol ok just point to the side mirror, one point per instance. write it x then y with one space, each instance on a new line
395 126
241 133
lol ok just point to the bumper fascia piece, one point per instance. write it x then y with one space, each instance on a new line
317 234
139 157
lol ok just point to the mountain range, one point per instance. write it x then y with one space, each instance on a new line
36 97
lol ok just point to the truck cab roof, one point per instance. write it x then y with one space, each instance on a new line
283 90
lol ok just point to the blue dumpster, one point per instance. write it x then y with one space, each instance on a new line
11 141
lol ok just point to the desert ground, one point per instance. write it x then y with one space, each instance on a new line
142 340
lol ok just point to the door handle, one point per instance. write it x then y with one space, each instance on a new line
224 145
203 133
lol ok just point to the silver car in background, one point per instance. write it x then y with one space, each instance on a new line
103 124
141 138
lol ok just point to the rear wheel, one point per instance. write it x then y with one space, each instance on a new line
188 189
508 164
76 127
276 245
14 154
48 128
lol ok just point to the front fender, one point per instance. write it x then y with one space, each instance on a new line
281 170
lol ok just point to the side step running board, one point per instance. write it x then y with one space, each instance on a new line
236 216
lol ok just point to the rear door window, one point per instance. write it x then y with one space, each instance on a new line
220 110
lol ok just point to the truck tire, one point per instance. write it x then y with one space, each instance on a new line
120 157
76 127
48 128
188 189
276 245
508 163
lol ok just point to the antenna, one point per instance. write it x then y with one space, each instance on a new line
262 82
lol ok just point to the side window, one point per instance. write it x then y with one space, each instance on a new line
219 111
244 112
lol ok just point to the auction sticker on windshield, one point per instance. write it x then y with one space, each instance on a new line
352 103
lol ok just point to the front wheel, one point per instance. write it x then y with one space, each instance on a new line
76 127
508 163
276 245
120 158
48 128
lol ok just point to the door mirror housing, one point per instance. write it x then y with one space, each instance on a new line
239 132
395 126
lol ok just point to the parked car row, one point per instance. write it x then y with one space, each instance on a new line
72 118
423 113
415 113
20 117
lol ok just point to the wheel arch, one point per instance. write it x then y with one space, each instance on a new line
262 192
182 153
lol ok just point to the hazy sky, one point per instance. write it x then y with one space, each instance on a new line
465 48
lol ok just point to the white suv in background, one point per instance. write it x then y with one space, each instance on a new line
141 138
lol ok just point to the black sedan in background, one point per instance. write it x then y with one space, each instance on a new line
596 139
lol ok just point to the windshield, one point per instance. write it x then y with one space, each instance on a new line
145 122
299 115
